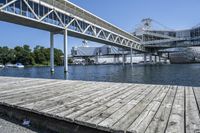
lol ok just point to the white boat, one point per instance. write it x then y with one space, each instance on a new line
19 65
10 65
2 66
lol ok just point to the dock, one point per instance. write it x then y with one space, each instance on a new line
95 107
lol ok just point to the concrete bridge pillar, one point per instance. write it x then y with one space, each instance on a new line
150 58
52 52
159 59
65 51
97 58
131 57
155 59
123 58
145 58
116 59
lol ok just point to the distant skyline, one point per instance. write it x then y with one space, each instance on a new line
126 14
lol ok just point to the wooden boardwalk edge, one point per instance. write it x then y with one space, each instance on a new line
44 121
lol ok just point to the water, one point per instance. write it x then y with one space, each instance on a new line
179 74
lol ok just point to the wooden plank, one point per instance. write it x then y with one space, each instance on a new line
192 112
160 120
43 86
71 114
115 117
9 82
85 100
93 117
26 86
176 120
130 117
66 97
197 95
144 119
108 104
42 93
99 103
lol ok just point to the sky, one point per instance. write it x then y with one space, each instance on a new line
126 14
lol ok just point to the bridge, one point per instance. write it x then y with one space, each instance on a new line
160 41
64 17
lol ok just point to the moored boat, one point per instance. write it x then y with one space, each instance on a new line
18 65
2 66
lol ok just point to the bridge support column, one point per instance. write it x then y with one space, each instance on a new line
155 59
159 59
145 58
65 51
52 52
123 58
150 58
131 57
97 58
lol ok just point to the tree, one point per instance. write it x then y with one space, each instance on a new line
6 55
24 55
39 55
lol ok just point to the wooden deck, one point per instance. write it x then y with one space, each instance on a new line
110 107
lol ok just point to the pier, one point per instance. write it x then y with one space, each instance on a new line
85 106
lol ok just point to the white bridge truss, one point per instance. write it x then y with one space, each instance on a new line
59 15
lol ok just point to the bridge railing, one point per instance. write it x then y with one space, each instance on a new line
77 11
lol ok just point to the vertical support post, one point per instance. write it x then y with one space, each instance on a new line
52 51
65 51
155 58
145 58
123 57
97 57
168 55
159 59
131 56
150 58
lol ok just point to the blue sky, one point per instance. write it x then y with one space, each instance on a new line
126 14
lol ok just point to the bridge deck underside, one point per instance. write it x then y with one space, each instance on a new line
41 15
105 106
29 23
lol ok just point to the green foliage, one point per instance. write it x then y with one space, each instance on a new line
6 55
25 55
70 61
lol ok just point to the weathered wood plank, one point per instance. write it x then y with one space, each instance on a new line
197 95
92 120
144 119
176 120
42 93
84 108
9 82
130 117
85 100
26 86
115 117
31 89
160 120
192 112
98 110
53 101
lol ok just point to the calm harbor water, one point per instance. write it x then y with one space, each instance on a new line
177 74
